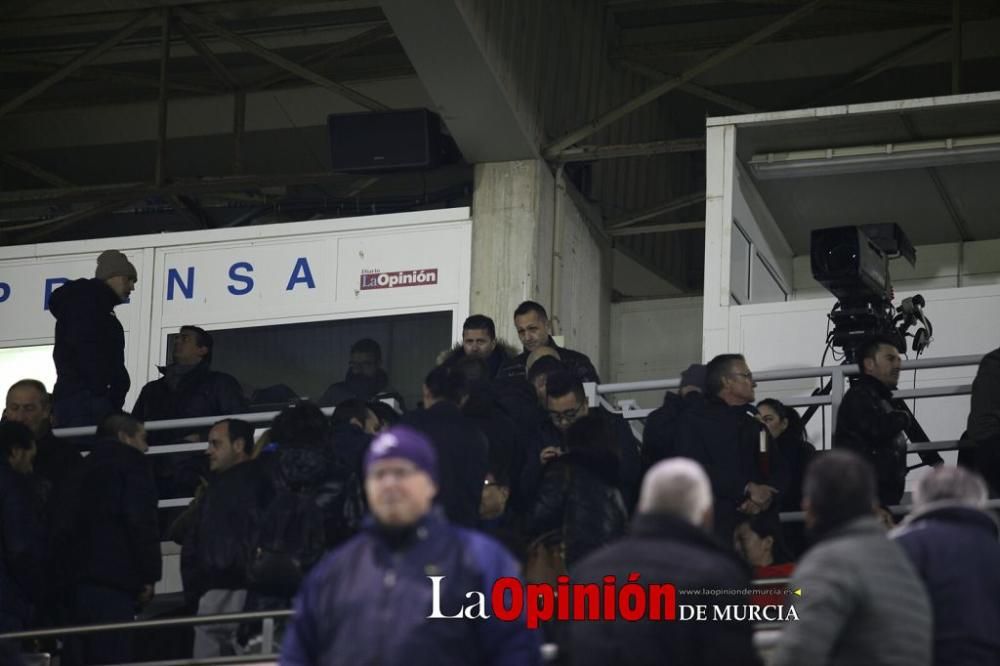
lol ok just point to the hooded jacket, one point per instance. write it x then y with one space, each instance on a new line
89 350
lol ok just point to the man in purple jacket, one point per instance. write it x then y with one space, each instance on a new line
370 601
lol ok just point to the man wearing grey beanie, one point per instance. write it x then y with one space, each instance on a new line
89 353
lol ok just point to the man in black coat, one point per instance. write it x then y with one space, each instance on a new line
216 553
89 352
725 435
984 422
953 544
873 424
532 323
57 460
479 340
669 542
115 543
21 539
566 403
461 447
189 388
659 436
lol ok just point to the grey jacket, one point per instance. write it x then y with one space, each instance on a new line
861 603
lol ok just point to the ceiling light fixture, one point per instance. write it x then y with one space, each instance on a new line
880 157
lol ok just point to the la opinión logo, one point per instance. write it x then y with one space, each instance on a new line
541 602
375 279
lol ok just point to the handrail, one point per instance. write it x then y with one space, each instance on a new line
837 373
73 630
170 424
797 373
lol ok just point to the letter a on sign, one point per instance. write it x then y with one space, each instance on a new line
301 273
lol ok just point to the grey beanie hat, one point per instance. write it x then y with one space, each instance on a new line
111 263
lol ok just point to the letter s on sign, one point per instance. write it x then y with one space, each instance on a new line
247 282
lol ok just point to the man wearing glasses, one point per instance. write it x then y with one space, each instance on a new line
726 437
565 404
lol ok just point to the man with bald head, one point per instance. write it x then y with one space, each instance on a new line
669 542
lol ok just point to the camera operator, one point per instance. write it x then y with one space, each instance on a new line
874 424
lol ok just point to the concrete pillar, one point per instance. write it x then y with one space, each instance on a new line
531 241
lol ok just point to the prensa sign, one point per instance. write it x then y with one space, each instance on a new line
376 279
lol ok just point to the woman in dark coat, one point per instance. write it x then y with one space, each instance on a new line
785 426
578 496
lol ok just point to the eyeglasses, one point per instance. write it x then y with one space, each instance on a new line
567 416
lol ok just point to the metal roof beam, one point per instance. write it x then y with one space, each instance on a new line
594 126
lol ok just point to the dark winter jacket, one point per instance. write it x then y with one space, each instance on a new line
664 549
200 392
116 540
22 579
335 488
516 399
726 441
222 536
659 436
500 431
369 601
579 497
872 427
956 553
89 350
629 472
578 363
463 459
984 421
350 443
56 462
501 354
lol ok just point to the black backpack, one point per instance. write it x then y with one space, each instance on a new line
291 539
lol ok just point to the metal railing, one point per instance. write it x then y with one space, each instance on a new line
267 619
549 651
837 374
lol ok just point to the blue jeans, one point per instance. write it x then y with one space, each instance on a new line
81 409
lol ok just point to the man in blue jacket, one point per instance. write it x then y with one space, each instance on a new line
369 601
89 353
952 542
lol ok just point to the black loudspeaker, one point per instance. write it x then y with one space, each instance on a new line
387 140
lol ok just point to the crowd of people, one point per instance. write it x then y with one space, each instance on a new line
504 470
